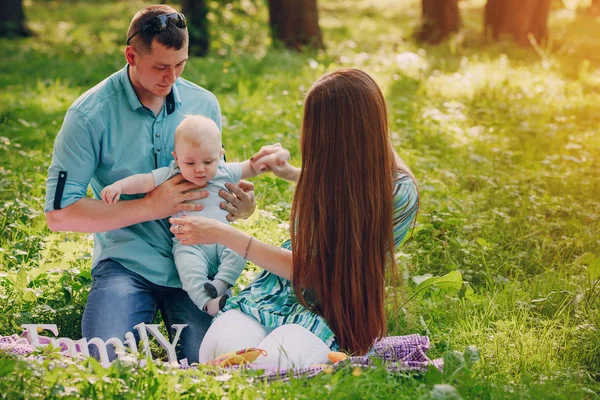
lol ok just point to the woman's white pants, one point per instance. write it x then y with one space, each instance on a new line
287 346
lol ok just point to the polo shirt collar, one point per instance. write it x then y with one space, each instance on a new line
173 99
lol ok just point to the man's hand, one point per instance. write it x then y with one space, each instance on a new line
240 200
168 198
111 193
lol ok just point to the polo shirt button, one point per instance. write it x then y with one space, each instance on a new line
158 135
159 149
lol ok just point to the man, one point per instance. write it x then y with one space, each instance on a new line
124 126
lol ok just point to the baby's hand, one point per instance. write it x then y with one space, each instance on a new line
111 193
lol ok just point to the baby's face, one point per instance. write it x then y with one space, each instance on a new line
198 164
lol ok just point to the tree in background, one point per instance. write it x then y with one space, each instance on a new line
195 12
517 18
440 19
295 23
12 19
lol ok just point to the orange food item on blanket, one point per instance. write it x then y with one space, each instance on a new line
244 356
336 356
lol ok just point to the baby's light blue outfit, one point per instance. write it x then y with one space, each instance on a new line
197 264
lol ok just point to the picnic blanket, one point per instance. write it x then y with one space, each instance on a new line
395 353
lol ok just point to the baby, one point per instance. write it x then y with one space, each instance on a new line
198 157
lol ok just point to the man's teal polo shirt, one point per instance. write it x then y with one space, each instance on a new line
108 135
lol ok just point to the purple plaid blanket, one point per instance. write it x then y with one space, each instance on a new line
396 353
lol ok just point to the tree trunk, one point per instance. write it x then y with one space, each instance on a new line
195 12
440 19
12 19
295 23
517 18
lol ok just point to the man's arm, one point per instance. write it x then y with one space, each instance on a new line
89 215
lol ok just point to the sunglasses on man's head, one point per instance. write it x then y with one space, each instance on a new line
159 23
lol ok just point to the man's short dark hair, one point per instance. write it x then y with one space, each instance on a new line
173 37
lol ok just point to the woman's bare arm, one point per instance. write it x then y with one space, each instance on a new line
200 230
401 165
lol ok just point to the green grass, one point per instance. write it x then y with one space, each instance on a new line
504 142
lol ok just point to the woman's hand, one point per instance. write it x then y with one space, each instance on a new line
275 158
197 230
201 230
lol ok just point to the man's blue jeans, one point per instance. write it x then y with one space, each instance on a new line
120 299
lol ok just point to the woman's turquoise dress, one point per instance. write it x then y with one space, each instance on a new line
270 298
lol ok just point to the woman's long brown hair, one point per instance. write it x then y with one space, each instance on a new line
341 218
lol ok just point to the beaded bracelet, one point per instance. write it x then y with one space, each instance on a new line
248 247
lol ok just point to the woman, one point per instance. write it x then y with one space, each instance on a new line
354 202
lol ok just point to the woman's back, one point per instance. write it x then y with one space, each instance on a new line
341 225
271 300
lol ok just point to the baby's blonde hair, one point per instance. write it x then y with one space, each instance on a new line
195 128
